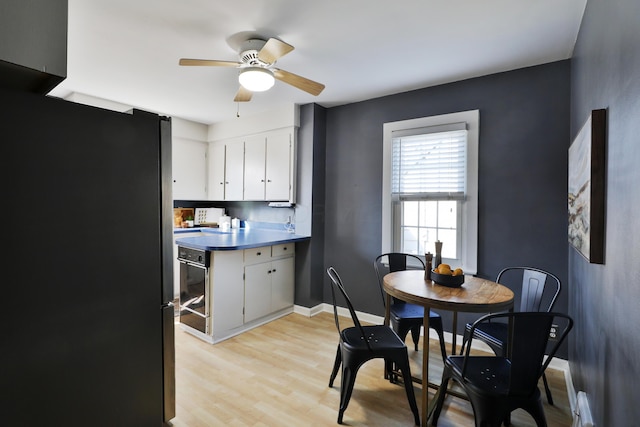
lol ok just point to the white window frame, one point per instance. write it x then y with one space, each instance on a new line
469 248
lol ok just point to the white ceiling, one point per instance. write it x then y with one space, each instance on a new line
127 51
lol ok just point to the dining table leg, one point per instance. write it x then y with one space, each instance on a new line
426 413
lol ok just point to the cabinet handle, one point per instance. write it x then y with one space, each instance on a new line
222 183
284 249
259 253
262 180
273 271
269 272
268 180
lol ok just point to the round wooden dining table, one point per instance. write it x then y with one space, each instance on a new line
476 295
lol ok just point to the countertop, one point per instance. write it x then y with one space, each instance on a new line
215 239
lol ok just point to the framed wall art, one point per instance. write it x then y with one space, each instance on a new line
587 188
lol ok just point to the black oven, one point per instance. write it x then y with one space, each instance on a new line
194 288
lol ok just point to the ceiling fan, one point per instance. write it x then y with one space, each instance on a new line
257 71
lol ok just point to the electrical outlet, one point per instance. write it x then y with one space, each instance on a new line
553 333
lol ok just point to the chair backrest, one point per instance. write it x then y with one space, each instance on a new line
534 283
338 288
526 345
392 262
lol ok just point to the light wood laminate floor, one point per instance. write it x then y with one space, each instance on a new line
278 375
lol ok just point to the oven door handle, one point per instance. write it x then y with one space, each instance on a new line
192 264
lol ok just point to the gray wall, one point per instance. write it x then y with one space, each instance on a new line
524 138
604 298
311 169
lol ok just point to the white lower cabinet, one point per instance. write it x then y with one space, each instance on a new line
250 287
227 289
282 283
257 291
268 280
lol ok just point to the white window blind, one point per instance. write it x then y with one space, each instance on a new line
429 163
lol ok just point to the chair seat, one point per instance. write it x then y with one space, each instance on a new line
380 337
408 310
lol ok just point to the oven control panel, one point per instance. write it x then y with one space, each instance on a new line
194 256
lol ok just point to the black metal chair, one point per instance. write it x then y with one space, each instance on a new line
536 283
404 316
359 344
497 385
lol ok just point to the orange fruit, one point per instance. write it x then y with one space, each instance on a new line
445 269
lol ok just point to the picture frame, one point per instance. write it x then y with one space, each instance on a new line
586 192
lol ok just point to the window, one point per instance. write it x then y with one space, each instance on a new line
430 187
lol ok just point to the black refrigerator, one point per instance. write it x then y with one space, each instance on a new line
88 331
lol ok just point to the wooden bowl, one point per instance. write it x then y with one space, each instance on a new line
447 280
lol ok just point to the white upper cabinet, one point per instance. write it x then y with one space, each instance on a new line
189 164
268 167
279 167
254 162
257 167
226 170
234 171
216 186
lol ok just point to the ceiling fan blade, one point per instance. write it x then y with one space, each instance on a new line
314 88
208 62
243 95
273 50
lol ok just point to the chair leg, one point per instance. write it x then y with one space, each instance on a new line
442 392
408 386
436 324
402 331
535 409
415 335
547 389
346 388
487 412
507 420
389 371
336 366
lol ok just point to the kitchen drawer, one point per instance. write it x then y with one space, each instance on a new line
256 255
282 249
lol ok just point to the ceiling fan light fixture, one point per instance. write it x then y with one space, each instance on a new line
256 79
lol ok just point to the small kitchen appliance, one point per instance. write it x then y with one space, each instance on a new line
207 216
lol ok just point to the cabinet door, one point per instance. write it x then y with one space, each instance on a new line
282 283
227 291
189 164
257 291
254 172
234 171
278 167
216 157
